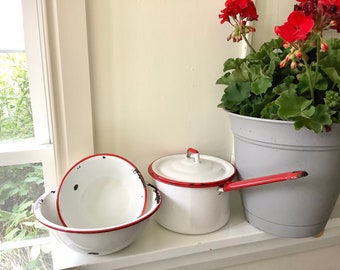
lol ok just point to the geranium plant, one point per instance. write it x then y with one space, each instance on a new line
294 77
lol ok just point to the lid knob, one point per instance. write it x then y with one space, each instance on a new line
193 153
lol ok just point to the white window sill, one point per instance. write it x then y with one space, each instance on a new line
236 243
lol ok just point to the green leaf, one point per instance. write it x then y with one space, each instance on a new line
241 74
270 111
332 74
271 45
320 118
5 214
246 109
223 79
11 235
258 103
235 94
33 179
331 58
292 106
24 206
317 80
21 235
300 110
303 85
261 85
286 85
260 81
232 63
322 115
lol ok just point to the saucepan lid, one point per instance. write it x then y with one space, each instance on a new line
192 170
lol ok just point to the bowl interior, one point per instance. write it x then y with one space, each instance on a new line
101 191
46 213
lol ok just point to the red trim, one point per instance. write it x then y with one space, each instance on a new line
92 156
168 181
264 180
192 150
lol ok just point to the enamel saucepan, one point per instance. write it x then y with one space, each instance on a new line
195 189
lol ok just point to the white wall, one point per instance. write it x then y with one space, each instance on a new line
271 13
154 65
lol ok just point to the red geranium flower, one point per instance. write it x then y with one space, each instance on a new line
244 8
297 27
250 12
330 3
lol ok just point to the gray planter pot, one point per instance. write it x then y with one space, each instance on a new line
299 208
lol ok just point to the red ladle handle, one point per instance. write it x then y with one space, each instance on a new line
263 180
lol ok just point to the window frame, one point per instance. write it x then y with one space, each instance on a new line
40 148
65 37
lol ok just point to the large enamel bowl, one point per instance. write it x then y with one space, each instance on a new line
99 241
94 191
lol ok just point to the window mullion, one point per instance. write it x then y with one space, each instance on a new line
25 154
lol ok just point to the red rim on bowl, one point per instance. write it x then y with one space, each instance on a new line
124 186
50 224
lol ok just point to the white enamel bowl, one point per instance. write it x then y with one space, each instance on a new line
100 241
99 191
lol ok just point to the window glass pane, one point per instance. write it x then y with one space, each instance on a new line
16 121
15 105
11 28
27 258
20 186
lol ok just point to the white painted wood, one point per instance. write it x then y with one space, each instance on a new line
68 65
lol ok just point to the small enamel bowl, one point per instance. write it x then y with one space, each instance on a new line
100 241
99 191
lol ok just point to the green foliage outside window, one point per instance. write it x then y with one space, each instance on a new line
16 120
20 185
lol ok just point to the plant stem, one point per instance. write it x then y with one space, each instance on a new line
309 76
318 46
248 43
312 81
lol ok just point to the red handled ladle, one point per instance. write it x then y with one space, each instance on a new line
262 180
